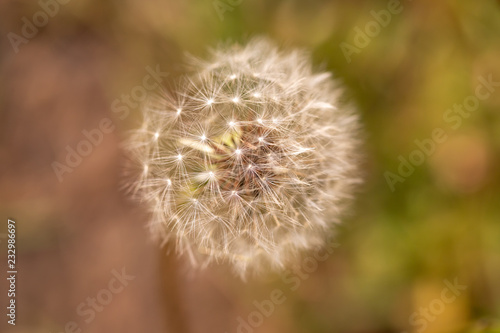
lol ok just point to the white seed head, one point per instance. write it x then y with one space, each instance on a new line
263 190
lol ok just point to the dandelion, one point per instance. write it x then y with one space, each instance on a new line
272 172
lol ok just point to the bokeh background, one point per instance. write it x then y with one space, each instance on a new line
395 249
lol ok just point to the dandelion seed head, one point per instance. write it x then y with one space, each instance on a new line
269 203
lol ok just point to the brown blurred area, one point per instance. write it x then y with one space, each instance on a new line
71 234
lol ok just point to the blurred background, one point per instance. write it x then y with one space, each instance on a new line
420 251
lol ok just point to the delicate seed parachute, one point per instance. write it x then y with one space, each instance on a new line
251 160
